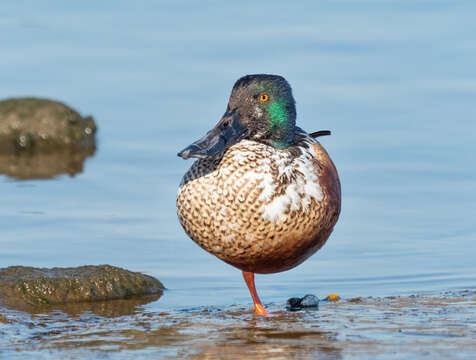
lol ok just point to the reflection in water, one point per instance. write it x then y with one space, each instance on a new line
44 165
281 339
199 334
107 309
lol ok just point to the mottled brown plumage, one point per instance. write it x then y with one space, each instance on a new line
219 207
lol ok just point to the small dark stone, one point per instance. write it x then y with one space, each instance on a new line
310 301
293 304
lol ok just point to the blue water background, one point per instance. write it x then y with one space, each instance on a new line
394 81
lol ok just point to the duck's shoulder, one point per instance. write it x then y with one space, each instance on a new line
323 166
306 142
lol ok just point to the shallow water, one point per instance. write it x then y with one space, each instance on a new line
436 326
395 83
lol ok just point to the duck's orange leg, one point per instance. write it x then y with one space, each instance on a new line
250 281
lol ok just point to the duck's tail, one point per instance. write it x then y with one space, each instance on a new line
320 133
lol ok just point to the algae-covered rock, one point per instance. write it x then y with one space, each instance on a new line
32 123
41 139
21 286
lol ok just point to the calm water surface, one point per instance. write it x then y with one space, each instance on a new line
395 83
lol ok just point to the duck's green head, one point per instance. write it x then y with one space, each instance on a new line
261 108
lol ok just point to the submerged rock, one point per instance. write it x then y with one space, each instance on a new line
308 301
40 138
21 286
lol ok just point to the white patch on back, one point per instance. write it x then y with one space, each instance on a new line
298 173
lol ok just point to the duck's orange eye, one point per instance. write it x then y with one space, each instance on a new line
264 98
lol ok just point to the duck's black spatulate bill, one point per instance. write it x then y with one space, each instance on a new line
227 132
320 133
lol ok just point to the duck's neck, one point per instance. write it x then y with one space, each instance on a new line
282 119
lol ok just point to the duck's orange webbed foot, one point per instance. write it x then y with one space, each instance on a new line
261 311
250 282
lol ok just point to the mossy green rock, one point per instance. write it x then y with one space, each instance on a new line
42 139
32 123
21 285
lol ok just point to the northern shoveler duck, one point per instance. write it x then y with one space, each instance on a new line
263 195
